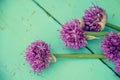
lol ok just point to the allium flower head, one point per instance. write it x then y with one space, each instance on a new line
117 64
94 19
111 46
72 34
38 55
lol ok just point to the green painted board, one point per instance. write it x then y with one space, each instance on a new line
22 22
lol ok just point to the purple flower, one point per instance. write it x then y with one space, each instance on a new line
72 34
111 46
94 19
117 63
38 55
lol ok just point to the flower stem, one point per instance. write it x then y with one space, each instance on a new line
80 56
97 34
113 26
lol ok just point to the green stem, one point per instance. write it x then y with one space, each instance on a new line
97 34
79 56
113 26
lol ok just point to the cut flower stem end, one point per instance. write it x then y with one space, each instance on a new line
80 56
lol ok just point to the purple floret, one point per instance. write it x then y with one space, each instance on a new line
73 35
38 55
94 19
117 63
111 46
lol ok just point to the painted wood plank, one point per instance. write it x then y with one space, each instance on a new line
23 22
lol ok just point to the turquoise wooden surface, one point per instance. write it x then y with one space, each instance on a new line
22 22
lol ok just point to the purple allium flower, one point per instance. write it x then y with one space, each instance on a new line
94 19
111 46
117 64
72 34
38 55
